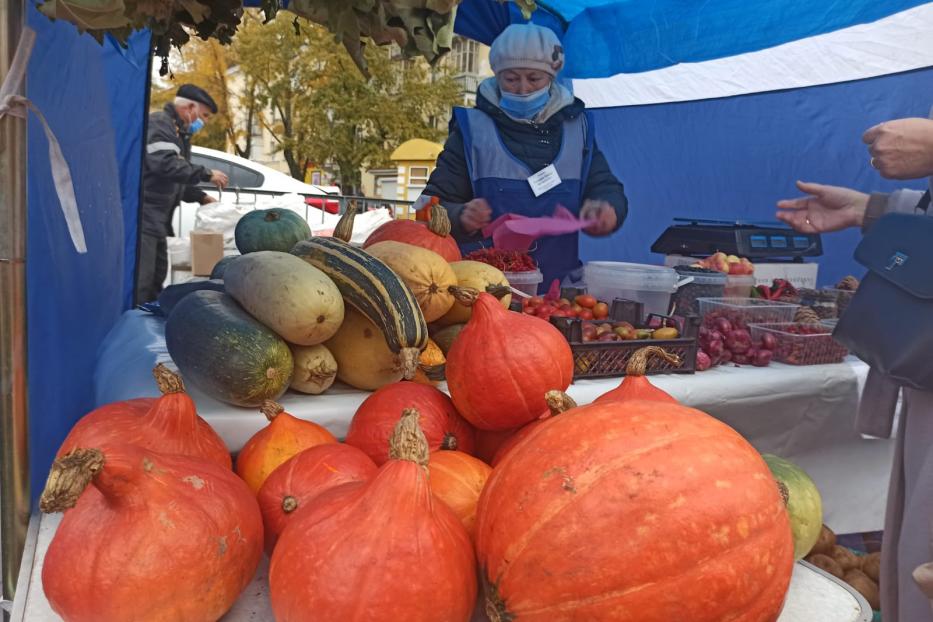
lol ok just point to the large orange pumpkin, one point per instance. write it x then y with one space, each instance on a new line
502 364
154 537
302 478
285 436
635 385
377 416
386 552
557 402
457 479
434 237
634 511
168 424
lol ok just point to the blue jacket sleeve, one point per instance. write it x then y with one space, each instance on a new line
450 182
602 185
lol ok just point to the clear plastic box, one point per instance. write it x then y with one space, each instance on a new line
739 285
802 344
744 311
526 282
647 284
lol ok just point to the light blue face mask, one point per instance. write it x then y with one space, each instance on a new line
525 106
196 125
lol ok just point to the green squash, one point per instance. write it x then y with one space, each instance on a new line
803 501
219 348
270 230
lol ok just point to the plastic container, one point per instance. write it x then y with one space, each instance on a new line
705 284
526 282
739 285
744 311
650 285
802 344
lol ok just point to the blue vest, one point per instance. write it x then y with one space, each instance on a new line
502 179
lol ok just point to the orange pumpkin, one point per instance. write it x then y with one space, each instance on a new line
385 552
434 237
374 421
502 364
168 424
285 436
302 478
457 479
488 443
557 402
153 537
635 385
634 511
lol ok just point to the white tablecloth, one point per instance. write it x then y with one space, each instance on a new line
805 414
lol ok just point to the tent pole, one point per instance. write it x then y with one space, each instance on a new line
14 458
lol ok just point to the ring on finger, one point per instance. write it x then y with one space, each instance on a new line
872 163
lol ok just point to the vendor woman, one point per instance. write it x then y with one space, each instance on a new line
526 148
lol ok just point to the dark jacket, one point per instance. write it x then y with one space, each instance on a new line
168 176
535 145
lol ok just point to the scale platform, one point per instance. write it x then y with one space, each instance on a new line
695 237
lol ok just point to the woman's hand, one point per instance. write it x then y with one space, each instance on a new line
475 215
901 149
604 215
828 208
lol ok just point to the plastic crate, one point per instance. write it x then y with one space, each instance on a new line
605 359
743 311
815 346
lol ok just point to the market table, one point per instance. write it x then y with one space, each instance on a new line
805 414
814 596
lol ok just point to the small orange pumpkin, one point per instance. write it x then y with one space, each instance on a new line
457 479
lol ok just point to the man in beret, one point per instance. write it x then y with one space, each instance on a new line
169 178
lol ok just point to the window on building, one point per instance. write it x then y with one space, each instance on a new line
418 176
464 55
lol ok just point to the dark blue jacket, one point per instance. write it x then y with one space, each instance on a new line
535 145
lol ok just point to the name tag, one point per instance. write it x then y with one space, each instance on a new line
544 180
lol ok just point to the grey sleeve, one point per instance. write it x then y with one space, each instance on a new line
900 201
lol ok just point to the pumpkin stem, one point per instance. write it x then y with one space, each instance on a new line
449 442
495 607
638 363
408 361
271 409
271 216
467 296
558 402
68 478
408 441
499 291
344 229
168 381
440 221
289 504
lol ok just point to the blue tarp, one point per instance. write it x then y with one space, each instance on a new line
92 97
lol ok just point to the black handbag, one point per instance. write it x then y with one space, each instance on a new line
889 321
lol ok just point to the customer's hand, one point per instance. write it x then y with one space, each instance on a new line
604 215
475 215
828 208
219 179
901 149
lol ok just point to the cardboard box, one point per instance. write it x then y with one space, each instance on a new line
207 248
799 274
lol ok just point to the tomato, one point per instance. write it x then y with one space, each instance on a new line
535 301
586 314
529 310
564 301
601 311
585 300
577 308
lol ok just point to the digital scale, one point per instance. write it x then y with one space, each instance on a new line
695 237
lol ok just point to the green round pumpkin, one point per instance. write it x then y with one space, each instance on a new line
803 502
270 230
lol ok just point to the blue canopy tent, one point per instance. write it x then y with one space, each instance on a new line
707 147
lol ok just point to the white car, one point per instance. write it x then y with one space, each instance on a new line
252 184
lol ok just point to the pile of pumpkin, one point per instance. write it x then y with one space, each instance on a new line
299 311
632 508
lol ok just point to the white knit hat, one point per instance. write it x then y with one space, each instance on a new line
527 46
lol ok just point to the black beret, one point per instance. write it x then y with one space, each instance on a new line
197 94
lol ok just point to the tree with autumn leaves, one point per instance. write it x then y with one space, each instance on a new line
323 109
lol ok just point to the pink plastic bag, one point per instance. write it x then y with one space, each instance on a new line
517 233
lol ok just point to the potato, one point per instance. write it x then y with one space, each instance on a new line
864 586
826 563
846 558
825 543
871 565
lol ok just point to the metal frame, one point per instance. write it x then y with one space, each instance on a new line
14 458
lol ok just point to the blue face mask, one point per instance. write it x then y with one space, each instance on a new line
525 106
196 125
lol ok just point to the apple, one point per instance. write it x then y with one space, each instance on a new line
586 314
601 311
610 336
625 332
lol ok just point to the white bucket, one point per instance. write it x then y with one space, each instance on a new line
650 285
